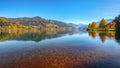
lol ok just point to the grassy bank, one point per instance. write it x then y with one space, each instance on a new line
100 29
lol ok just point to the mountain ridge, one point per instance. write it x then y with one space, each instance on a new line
35 21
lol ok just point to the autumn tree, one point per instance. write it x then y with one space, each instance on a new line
111 25
103 23
94 25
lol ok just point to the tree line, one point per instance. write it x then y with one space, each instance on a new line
103 25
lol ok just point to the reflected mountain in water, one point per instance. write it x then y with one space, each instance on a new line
42 35
30 36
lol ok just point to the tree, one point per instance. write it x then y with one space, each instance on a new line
117 19
103 23
3 21
89 26
111 25
117 26
94 25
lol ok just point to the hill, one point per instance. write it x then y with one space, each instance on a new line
35 21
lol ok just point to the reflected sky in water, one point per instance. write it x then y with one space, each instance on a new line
59 50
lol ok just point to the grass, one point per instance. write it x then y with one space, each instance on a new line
101 29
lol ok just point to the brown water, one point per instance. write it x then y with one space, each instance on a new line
60 50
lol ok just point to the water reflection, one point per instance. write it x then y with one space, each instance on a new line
30 35
93 34
117 37
64 50
42 35
104 35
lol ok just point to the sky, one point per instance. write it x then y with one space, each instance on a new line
70 11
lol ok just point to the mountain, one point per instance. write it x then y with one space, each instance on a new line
35 21
79 26
59 23
83 27
108 20
74 25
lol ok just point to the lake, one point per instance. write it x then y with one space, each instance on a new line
77 49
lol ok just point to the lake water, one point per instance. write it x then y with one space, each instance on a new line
78 49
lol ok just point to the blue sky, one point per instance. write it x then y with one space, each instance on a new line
75 11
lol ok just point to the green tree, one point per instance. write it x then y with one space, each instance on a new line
3 21
117 26
103 23
89 26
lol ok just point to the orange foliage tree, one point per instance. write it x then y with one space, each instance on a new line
93 25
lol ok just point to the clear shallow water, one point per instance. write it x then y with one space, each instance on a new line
60 50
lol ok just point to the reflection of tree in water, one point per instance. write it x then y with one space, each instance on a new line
37 36
27 36
3 36
117 37
89 33
93 34
102 36
117 26
106 34
111 35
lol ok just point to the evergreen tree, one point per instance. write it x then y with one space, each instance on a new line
89 26
117 26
